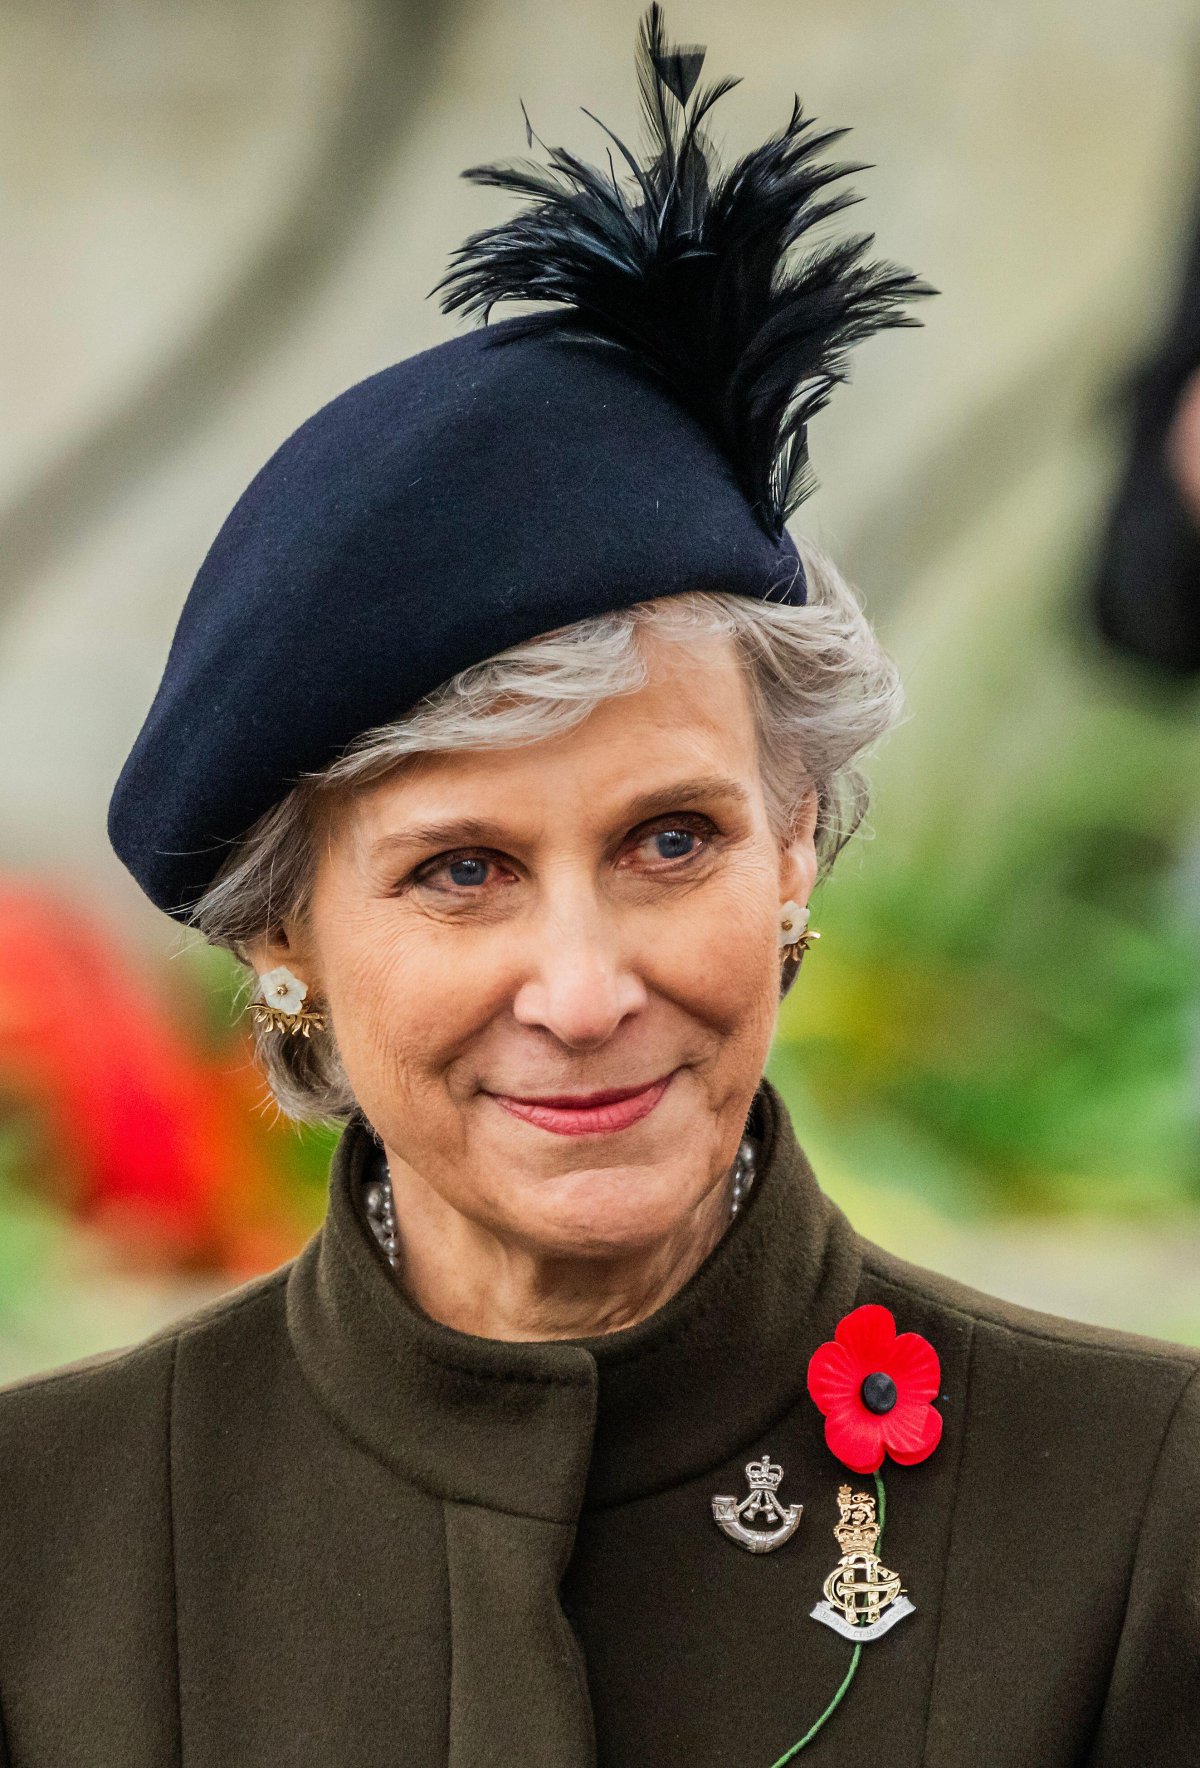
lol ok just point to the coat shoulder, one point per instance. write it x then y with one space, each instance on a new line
1031 1329
89 1536
104 1402
1112 1393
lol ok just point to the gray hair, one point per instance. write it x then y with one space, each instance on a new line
821 689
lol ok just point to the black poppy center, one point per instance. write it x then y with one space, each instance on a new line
879 1392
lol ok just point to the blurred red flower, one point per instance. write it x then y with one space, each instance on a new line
143 1135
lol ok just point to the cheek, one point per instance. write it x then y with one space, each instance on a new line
719 952
396 1002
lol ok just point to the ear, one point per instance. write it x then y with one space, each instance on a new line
280 945
798 857
289 938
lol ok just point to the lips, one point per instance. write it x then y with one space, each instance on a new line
602 1113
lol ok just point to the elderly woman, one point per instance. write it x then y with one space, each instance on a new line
505 735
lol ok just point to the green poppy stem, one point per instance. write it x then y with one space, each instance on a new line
847 1679
830 1710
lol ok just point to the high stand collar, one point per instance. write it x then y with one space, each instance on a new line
540 1429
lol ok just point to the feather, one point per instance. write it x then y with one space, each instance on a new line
694 268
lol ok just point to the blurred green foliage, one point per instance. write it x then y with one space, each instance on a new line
1002 1013
33 1228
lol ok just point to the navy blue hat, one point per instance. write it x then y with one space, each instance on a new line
643 436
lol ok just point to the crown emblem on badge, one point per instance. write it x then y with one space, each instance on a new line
764 1475
760 1522
857 1532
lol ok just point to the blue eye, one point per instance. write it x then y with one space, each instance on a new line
673 837
456 867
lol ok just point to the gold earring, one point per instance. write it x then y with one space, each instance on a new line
795 935
280 1006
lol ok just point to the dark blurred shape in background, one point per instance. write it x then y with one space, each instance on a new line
1147 593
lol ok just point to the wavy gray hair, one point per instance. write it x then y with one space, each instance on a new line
821 688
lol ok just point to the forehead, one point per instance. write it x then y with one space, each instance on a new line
692 719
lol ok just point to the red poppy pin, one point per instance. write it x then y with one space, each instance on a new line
874 1387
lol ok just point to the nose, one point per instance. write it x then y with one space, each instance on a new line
580 983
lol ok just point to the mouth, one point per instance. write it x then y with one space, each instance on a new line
588 1114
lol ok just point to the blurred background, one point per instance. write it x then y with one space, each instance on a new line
219 215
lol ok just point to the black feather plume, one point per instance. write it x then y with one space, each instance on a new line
691 266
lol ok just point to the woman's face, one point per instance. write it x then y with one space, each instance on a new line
595 911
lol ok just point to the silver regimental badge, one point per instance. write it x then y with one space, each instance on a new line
760 1523
862 1598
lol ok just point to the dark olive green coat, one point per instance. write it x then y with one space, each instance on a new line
307 1526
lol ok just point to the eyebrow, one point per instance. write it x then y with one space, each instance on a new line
480 831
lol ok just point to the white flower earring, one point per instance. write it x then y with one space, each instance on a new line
279 1004
795 936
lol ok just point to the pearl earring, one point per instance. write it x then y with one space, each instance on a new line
794 934
280 1004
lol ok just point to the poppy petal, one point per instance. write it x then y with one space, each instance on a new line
912 1433
868 1334
855 1438
833 1378
913 1365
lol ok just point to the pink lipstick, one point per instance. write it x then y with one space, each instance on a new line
588 1114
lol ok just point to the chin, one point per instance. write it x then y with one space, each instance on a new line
605 1214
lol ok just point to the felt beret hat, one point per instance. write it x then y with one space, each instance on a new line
643 435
